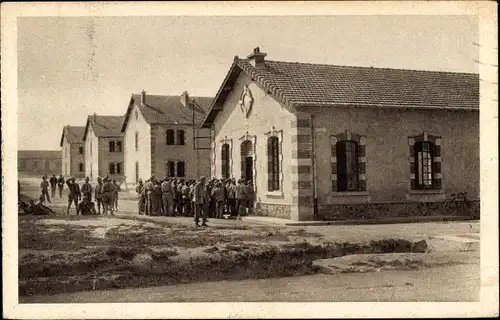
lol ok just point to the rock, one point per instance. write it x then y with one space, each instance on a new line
419 246
142 259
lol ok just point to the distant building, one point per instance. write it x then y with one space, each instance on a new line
329 142
103 147
44 162
73 157
160 137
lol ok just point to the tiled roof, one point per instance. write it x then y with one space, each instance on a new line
73 134
305 84
161 109
104 126
39 154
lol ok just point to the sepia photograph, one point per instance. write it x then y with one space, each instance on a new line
186 153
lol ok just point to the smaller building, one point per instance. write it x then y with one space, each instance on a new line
103 147
162 137
45 162
73 158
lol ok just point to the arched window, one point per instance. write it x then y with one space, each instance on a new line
111 146
273 164
347 165
170 137
424 154
181 136
181 169
225 161
170 170
111 168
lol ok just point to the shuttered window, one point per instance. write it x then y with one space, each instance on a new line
225 161
170 169
181 169
170 137
273 164
423 160
181 137
347 166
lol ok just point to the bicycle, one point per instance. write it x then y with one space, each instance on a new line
457 203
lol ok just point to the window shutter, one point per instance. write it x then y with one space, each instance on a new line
276 164
413 168
436 168
341 166
223 161
334 167
243 161
269 164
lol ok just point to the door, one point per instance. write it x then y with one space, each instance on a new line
249 168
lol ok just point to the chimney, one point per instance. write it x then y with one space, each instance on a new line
94 117
185 99
257 58
143 97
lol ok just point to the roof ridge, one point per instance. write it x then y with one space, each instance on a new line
365 67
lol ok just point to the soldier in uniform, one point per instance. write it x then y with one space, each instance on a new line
107 196
53 186
115 194
149 195
98 195
141 199
199 200
60 184
167 196
74 194
86 207
45 189
87 189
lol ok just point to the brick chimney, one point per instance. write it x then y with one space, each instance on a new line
185 99
94 117
257 58
143 97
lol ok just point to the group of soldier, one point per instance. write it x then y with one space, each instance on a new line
215 198
105 194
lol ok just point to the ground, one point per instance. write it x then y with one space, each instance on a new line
132 258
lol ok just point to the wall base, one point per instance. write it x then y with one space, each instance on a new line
273 210
388 210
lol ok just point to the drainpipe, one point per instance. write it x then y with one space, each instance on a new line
313 162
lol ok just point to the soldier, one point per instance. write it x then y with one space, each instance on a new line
107 196
250 197
87 189
157 207
53 186
98 195
60 184
167 196
86 207
218 196
231 197
241 197
186 190
45 189
74 194
141 198
115 194
199 200
149 186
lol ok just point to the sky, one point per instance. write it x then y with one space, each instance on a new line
71 67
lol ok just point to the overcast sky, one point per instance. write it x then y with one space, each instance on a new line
71 67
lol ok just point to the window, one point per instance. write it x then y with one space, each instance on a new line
80 167
111 146
80 150
423 160
136 172
118 168
111 168
181 169
137 141
118 146
347 166
225 161
181 137
273 165
170 137
136 114
170 169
